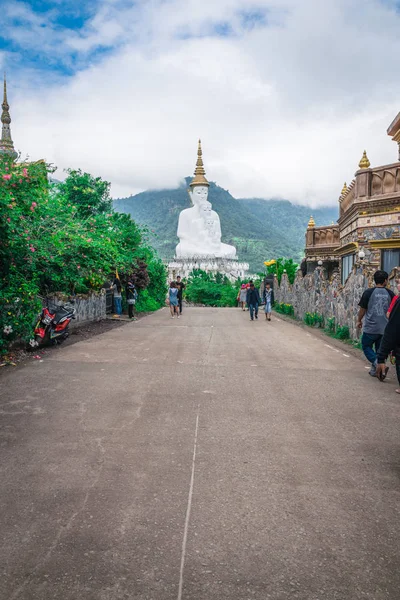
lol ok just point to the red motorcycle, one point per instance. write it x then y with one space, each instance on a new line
53 324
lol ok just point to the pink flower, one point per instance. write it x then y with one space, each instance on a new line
79 266
34 204
25 172
9 220
20 180
32 208
32 249
6 176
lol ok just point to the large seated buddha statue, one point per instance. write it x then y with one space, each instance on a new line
199 227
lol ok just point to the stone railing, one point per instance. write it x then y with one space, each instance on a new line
371 184
347 200
322 237
384 180
314 293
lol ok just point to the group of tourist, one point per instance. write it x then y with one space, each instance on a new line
175 297
378 317
250 296
130 295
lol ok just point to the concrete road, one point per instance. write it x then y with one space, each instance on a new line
206 458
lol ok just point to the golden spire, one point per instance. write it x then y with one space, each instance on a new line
199 173
344 189
364 162
311 223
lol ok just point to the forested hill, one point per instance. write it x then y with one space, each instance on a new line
260 229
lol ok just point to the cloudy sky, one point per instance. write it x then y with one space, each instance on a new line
285 94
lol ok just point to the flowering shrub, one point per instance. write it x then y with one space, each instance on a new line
61 238
285 309
314 319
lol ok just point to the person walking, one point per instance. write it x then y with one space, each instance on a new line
269 300
374 305
181 286
131 297
117 292
173 300
395 298
243 296
390 343
253 301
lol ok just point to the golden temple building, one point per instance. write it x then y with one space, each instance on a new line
368 228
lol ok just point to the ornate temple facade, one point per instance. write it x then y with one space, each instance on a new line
368 228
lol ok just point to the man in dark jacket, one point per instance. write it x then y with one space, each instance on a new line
181 286
253 301
390 342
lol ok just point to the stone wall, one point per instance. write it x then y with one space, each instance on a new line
315 293
91 307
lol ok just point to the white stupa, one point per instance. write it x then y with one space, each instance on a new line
199 233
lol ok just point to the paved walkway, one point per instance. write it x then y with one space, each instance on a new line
208 458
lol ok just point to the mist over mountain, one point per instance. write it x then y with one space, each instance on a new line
260 229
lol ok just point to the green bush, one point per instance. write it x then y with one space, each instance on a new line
331 325
211 290
343 333
284 309
338 332
314 319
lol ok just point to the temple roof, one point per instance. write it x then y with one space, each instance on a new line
6 143
199 173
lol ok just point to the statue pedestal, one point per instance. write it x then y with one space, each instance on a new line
230 267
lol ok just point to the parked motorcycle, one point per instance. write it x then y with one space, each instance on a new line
53 324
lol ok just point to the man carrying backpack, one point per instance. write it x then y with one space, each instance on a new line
374 305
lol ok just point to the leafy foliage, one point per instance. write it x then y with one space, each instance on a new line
53 240
211 290
90 195
284 309
279 266
258 228
343 332
314 319
331 325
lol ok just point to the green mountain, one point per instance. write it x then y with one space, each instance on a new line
260 229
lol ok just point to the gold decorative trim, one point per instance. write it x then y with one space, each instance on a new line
311 223
382 244
364 162
347 249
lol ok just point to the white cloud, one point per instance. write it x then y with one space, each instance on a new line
284 110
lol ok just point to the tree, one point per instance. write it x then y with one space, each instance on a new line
279 265
91 195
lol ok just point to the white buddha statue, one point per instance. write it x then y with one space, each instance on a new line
199 227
